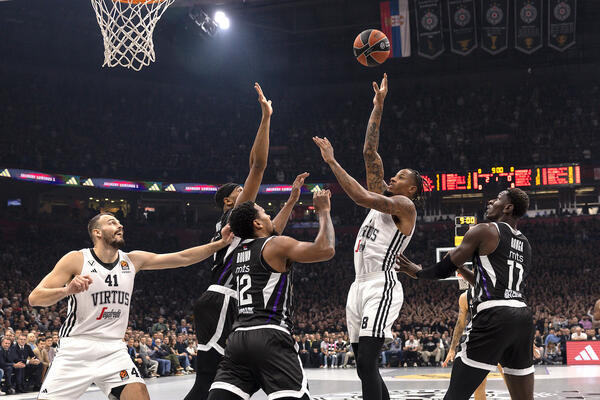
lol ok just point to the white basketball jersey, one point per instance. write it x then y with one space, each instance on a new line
377 244
102 311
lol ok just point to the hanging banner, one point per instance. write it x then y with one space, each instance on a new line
494 25
428 20
561 24
528 25
463 31
395 23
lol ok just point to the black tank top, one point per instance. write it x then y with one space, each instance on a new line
264 295
502 274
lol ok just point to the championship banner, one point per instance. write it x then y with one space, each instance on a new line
562 16
528 25
428 20
494 25
463 31
395 23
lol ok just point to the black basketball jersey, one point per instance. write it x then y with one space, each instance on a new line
264 295
500 276
221 270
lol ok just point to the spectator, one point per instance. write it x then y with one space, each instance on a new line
29 377
8 365
394 351
431 350
578 334
192 350
164 365
159 326
304 351
150 365
552 355
41 352
411 351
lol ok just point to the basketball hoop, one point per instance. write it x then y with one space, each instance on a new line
127 27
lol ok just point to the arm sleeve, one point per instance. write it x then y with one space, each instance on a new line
441 270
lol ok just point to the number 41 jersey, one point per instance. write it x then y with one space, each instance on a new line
500 276
264 295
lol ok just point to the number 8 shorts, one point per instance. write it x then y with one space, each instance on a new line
80 362
374 302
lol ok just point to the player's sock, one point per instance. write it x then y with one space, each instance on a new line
207 363
368 371
464 380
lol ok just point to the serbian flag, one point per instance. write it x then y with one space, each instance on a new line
395 24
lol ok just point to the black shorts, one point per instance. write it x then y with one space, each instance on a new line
214 314
500 335
263 358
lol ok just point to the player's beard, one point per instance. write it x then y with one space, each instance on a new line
115 242
387 193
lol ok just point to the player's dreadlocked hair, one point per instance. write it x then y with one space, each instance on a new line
242 219
519 200
419 196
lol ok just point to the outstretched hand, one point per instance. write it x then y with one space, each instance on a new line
403 264
265 105
380 91
326 148
226 235
297 186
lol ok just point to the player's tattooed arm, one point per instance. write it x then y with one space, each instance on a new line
597 313
373 163
281 219
458 328
260 151
399 206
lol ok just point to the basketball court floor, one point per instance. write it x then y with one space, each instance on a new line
552 382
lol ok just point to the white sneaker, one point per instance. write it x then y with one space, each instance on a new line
2 393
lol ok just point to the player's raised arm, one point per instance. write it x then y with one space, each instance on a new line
281 219
482 237
400 206
54 288
373 164
144 260
282 250
260 151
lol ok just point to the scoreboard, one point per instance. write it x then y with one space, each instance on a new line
506 176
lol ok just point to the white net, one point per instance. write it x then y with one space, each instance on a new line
127 27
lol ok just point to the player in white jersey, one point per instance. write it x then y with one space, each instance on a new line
99 284
375 298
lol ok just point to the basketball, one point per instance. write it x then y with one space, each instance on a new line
371 48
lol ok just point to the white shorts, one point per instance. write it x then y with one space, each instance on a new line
79 362
374 303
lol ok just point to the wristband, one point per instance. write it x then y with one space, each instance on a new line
441 270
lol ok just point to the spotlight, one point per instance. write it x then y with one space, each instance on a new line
222 20
203 21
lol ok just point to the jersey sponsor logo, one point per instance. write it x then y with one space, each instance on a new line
515 256
110 297
124 375
94 270
112 314
243 256
511 294
246 310
243 269
45 391
125 266
516 244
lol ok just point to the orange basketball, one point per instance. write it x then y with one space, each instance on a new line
371 48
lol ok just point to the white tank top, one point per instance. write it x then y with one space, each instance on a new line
377 244
102 311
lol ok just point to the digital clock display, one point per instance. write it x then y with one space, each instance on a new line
462 220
